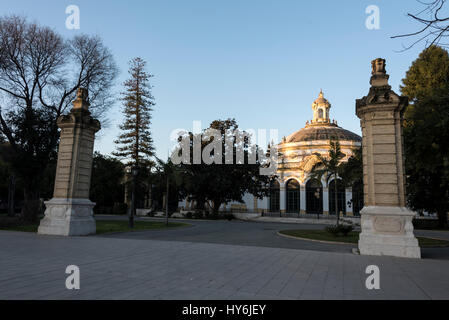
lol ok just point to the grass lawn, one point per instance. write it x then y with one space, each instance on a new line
353 237
106 226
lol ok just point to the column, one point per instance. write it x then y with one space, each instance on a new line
70 212
386 223
282 199
349 204
326 201
302 199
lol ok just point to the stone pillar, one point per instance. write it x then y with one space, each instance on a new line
302 200
282 199
386 223
325 201
349 205
70 212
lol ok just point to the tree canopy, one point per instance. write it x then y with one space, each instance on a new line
135 143
220 182
40 72
429 72
107 186
330 166
426 134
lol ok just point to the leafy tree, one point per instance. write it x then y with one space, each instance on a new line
136 143
426 134
352 170
39 75
352 175
5 173
219 183
427 156
426 74
169 177
330 166
107 186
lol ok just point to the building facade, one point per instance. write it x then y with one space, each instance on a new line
294 191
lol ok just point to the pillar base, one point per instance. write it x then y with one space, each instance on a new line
68 217
388 231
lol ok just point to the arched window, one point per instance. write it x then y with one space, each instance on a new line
274 196
341 197
314 197
320 113
293 194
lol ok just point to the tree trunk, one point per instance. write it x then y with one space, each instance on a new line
11 196
31 206
442 219
216 207
336 199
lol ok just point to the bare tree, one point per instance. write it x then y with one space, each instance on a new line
435 27
39 75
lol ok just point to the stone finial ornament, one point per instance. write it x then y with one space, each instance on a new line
81 101
378 66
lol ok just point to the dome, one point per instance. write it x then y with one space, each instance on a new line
321 100
321 127
325 132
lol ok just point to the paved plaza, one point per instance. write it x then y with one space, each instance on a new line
144 265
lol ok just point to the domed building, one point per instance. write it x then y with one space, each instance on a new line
294 190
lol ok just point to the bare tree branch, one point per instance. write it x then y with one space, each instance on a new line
435 27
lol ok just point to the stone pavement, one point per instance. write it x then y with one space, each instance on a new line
33 267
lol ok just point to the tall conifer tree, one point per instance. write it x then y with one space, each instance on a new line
136 143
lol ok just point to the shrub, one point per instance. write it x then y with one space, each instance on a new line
426 224
189 215
197 215
345 229
341 229
119 208
228 216
332 230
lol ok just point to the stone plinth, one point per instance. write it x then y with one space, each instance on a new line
70 212
386 223
68 217
388 231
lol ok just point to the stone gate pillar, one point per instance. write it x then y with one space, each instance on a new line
386 223
70 212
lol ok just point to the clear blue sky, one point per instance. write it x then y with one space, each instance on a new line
261 62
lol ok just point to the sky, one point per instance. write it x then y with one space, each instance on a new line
260 62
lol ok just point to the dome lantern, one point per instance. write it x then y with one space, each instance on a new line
320 109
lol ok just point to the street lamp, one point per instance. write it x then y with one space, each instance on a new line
134 172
